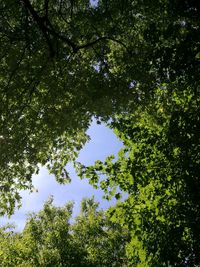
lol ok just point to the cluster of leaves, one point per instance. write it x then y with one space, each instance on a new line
50 239
159 169
64 62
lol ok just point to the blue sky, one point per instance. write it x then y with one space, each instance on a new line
103 143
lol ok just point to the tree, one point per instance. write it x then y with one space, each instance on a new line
43 241
65 62
158 169
103 239
49 239
8 238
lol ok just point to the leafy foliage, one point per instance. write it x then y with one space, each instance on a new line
159 169
49 239
134 62
64 62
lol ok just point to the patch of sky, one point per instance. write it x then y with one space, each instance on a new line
132 84
94 3
97 66
103 143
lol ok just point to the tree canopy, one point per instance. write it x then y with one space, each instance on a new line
65 62
132 64
51 239
159 169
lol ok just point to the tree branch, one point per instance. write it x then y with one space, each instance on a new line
46 8
40 21
47 29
